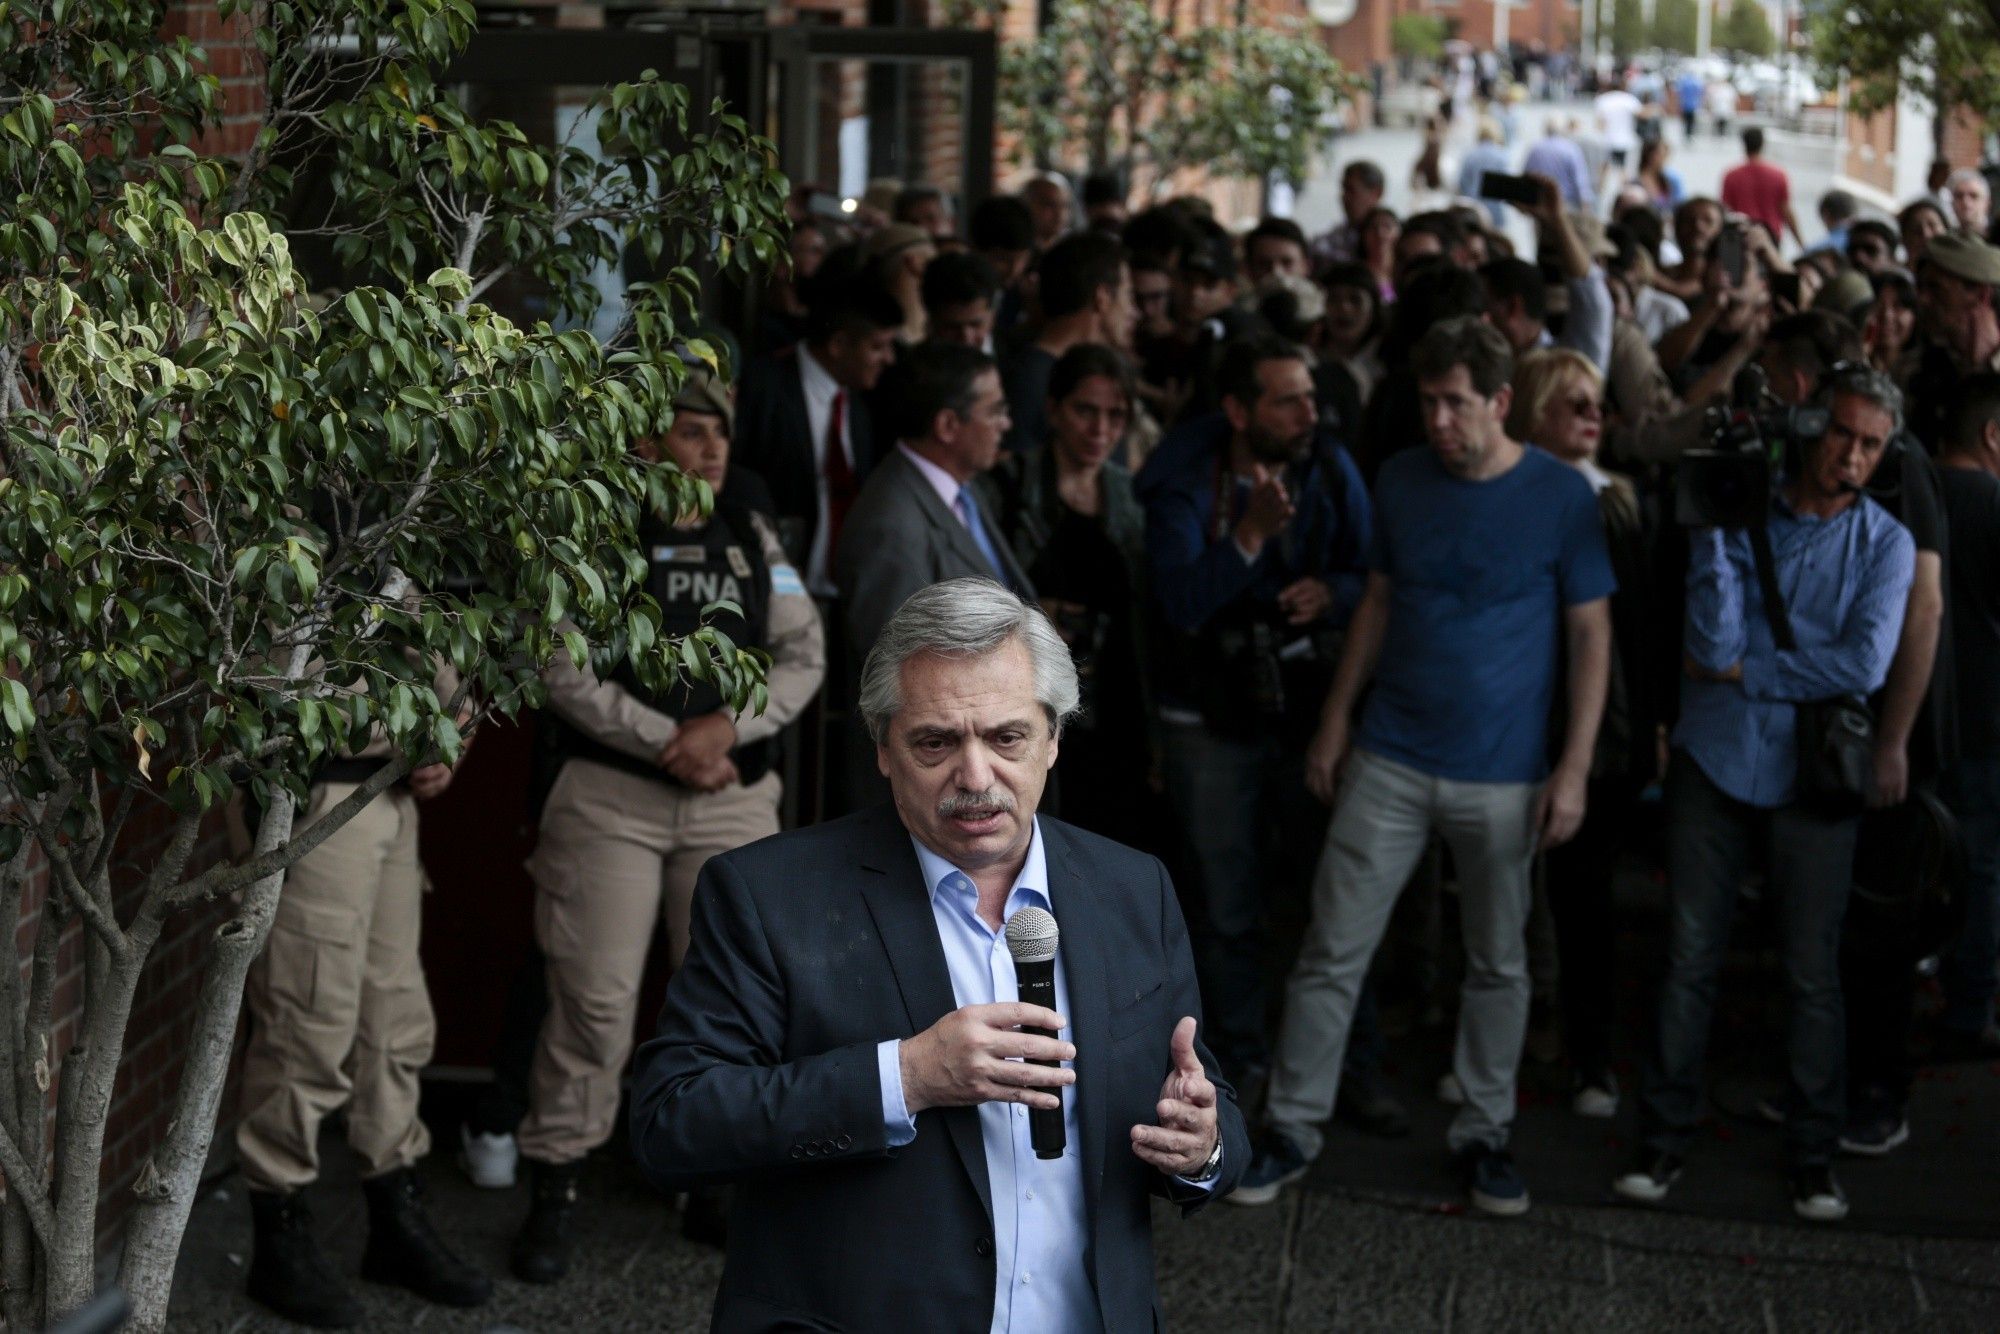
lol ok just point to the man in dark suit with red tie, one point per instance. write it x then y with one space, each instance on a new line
796 407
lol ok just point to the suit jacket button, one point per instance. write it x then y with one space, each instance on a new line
984 1246
843 1143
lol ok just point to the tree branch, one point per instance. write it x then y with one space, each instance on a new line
94 913
227 878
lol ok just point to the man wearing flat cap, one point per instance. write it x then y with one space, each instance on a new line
650 786
1956 280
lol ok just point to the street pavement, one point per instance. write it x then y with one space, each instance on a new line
1808 158
1323 1258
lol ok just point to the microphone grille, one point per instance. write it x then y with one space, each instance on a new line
1031 936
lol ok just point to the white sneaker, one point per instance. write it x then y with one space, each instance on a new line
1449 1090
1597 1098
489 1160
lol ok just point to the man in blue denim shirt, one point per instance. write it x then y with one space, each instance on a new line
1844 567
1256 527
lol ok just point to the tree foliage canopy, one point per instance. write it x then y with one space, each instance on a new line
1944 51
1746 30
1676 25
242 524
1121 85
1417 36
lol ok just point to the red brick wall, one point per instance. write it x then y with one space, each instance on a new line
1866 154
1364 38
231 58
1964 139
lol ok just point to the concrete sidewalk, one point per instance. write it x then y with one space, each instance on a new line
1320 1259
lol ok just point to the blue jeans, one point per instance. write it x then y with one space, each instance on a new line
1972 790
1253 834
1711 838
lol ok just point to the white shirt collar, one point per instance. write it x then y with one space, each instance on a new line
817 380
1034 875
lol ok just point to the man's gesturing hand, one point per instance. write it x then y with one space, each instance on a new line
1181 1143
964 1059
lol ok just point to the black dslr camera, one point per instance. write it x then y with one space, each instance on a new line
1727 483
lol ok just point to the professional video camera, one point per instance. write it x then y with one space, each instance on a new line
1727 483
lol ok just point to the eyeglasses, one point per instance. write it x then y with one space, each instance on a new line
1586 406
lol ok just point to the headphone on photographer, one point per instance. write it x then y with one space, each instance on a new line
1861 379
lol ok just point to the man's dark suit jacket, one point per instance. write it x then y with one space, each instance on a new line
774 437
811 947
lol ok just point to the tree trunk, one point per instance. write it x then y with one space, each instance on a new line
169 1178
17 1265
89 1074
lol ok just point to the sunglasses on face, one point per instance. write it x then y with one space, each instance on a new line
1585 406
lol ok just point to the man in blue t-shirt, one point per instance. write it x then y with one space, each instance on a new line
1483 550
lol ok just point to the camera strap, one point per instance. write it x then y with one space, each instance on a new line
1767 584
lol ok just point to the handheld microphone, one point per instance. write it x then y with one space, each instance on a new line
1031 939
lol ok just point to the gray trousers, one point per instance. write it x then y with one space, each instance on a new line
1383 819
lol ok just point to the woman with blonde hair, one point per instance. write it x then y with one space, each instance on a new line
1559 406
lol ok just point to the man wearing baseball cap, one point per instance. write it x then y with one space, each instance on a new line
1956 279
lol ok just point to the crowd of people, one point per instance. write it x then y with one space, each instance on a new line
1393 562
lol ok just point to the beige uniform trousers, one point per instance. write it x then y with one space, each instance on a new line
337 1000
614 847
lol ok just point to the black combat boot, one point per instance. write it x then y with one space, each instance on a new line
404 1249
289 1272
541 1250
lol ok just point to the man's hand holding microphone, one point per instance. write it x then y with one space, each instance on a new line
1009 1052
979 1053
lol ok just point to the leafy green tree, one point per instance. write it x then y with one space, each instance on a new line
1121 85
236 532
1674 25
1417 36
1628 29
1747 30
1942 50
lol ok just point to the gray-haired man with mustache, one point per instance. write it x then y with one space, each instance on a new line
847 1043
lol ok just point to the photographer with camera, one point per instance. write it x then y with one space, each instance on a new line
1731 312
1791 614
1488 561
1518 291
1915 737
1256 525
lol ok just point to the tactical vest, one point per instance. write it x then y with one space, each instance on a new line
688 569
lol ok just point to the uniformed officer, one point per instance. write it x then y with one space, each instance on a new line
340 1014
651 786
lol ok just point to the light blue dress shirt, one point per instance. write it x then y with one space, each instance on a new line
1041 1225
1041 1230
1846 582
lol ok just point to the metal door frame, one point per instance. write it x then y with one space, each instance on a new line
794 51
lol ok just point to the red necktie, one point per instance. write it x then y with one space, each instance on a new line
839 476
